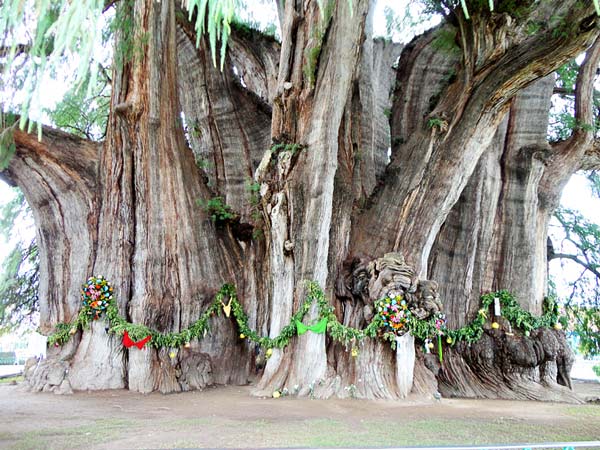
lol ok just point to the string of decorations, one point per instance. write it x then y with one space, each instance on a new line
393 318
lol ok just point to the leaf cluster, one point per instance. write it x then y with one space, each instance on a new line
217 15
585 322
19 277
218 210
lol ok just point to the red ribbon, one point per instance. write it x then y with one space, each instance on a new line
127 342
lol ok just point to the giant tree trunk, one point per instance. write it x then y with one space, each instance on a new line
312 131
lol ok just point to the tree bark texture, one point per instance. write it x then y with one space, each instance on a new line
371 181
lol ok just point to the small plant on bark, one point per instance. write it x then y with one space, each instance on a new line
218 211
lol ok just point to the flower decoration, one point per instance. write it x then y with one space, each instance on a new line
96 295
394 313
440 323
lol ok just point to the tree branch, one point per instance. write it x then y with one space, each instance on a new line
75 155
574 258
567 155
591 157
19 49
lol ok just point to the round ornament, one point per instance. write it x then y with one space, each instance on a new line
96 295
495 325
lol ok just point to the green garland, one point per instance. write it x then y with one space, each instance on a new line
421 329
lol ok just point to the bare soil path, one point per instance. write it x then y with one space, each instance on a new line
229 417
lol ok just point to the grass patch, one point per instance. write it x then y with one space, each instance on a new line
71 437
583 410
11 380
376 433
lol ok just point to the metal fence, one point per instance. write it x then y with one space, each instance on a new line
550 445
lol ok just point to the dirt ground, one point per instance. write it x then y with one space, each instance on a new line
229 417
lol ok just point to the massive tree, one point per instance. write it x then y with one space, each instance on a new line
360 164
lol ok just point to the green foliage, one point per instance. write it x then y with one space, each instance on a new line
579 244
218 211
585 322
436 122
292 148
52 33
217 14
596 370
7 147
123 26
19 277
445 41
421 329
62 29
253 188
7 141
84 109
567 76
534 27
315 43
594 179
19 282
250 27
562 114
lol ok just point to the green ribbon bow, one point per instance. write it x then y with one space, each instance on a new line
320 327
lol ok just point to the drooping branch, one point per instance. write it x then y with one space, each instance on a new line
590 267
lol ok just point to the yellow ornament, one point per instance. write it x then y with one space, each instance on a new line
558 326
354 352
72 331
269 352
227 308
242 336
276 394
495 325
449 340
172 355
430 345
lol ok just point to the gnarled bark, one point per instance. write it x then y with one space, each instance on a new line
465 197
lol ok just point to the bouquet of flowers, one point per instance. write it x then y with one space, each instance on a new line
394 313
96 295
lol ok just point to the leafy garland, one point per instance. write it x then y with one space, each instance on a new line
421 329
